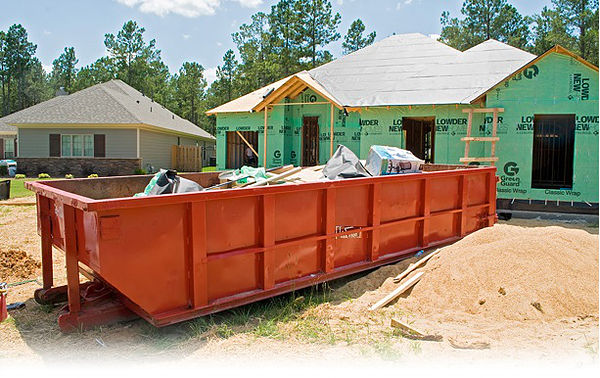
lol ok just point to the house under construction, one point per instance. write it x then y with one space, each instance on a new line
534 117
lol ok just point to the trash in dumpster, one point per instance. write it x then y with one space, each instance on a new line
244 175
387 160
344 164
166 181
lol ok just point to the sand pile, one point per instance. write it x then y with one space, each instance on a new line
16 265
502 272
516 273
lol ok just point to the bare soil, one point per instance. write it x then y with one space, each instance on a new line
555 267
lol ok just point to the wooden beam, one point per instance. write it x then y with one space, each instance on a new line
276 177
494 132
480 139
302 103
476 159
469 127
396 293
247 143
483 110
414 266
265 141
331 133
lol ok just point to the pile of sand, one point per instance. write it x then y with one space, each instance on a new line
502 272
509 272
16 265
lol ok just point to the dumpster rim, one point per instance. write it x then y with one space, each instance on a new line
89 204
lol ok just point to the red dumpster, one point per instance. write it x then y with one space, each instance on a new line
174 257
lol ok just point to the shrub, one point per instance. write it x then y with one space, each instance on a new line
140 171
19 176
43 175
69 176
93 175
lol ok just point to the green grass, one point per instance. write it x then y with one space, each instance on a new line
17 187
209 169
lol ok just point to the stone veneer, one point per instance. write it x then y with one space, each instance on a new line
78 167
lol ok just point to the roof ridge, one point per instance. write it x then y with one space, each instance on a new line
119 101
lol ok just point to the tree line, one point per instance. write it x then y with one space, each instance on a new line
292 36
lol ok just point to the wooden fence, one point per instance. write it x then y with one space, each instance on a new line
186 158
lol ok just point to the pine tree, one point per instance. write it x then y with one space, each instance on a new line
318 27
483 20
64 71
354 40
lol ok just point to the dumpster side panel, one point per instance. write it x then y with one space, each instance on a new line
142 254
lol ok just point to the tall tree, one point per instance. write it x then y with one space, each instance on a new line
284 26
63 69
354 40
190 85
137 63
17 60
580 16
318 27
549 29
226 74
483 20
260 65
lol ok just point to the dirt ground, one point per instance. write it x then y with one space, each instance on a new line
311 324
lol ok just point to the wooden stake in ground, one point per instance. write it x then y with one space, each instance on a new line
414 266
396 293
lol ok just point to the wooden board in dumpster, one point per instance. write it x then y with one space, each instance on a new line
179 256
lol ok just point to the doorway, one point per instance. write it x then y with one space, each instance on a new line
553 149
419 135
310 141
237 150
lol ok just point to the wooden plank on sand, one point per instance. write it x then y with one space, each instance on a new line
414 266
396 293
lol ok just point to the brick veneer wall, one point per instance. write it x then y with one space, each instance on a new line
59 167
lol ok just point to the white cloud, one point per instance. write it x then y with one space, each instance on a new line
219 44
186 36
210 74
250 3
46 32
340 2
407 2
186 8
47 68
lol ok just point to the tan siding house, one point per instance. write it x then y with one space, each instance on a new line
108 129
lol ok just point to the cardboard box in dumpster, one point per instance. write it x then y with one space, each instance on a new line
386 160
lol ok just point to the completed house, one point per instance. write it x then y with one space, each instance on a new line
8 140
107 129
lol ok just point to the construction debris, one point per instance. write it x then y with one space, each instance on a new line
411 332
461 344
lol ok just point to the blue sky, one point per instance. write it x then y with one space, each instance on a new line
200 30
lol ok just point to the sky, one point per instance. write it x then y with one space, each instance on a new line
200 30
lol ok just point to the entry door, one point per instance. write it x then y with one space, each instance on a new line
419 137
553 149
310 141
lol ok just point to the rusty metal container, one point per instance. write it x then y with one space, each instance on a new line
174 257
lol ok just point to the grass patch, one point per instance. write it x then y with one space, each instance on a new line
209 169
17 187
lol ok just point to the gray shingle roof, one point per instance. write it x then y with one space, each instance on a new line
7 129
113 102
